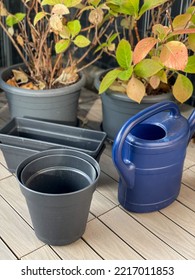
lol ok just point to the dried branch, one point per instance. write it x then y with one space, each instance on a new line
14 44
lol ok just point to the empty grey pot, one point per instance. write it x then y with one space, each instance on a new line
58 186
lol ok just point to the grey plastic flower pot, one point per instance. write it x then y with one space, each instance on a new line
58 193
56 105
117 108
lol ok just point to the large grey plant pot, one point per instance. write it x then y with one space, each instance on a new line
56 105
117 108
58 186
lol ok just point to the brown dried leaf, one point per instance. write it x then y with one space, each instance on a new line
20 76
60 9
155 81
12 82
20 40
118 87
56 23
11 30
69 76
29 85
3 11
96 16
135 89
41 85
112 47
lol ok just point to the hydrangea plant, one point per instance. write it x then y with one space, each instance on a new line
157 63
47 35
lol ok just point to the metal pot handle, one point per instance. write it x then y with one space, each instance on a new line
125 167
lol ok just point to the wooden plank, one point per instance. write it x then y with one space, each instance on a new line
182 216
108 187
169 232
10 190
5 253
18 235
187 197
188 178
95 112
78 250
43 253
191 151
4 172
4 115
192 168
106 243
137 236
100 204
108 167
188 163
2 159
90 217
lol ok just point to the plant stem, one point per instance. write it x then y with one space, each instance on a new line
90 63
54 69
15 45
136 31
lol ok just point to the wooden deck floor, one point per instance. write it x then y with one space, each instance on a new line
111 232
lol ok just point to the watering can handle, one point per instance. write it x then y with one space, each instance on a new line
125 167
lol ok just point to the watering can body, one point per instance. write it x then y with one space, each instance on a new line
149 153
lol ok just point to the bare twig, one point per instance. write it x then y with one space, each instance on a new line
90 63
14 44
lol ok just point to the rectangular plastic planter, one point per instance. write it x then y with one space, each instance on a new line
22 136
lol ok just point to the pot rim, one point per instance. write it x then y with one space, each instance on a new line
123 97
38 93
84 156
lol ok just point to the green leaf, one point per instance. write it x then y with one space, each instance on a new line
182 89
135 4
112 38
14 19
191 42
95 3
61 46
74 27
51 2
124 54
38 17
181 21
150 4
191 10
161 31
100 47
108 79
81 41
125 75
124 6
71 3
190 67
147 68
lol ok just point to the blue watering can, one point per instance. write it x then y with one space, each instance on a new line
149 153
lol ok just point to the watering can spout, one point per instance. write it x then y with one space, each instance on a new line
191 121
